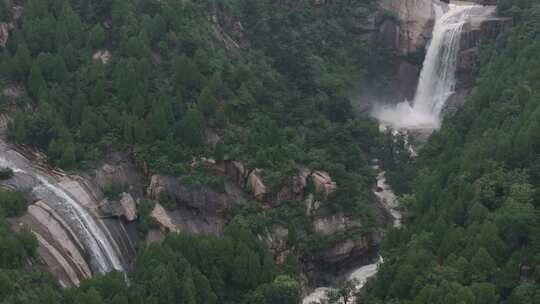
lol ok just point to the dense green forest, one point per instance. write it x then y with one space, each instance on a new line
270 78
473 234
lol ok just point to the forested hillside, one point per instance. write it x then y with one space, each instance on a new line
473 232
157 81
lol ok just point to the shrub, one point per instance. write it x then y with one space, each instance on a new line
12 203
6 173
113 189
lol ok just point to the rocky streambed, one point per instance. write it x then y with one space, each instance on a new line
359 276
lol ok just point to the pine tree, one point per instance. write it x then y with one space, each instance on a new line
207 102
35 80
192 128
189 293
68 156
89 131
96 38
77 106
21 62
158 122
483 264
205 295
98 96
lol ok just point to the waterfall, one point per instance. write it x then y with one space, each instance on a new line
97 244
437 78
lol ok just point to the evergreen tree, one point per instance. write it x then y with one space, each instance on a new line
35 80
207 102
21 62
192 128
96 38
188 288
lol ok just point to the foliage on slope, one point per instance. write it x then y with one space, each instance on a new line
473 235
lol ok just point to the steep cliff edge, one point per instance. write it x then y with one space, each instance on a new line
403 29
480 30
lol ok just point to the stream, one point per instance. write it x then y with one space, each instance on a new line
436 85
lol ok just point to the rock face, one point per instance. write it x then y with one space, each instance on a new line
4 34
408 27
478 30
125 208
205 200
197 210
323 182
117 169
403 27
256 185
335 223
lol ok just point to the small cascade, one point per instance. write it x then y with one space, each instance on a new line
437 79
57 194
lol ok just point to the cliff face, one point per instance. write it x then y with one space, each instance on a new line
479 30
402 30
405 28
411 31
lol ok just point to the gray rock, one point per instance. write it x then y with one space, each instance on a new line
207 201
335 223
4 34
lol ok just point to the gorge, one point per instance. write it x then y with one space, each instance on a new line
436 85
216 151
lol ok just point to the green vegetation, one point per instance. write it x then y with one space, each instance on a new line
473 235
12 203
183 269
5 173
114 189
15 247
270 78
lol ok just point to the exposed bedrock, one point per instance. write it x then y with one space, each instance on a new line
404 27
479 30
76 240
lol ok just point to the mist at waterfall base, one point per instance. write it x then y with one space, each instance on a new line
436 85
437 79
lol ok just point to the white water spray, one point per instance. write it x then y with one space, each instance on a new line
437 79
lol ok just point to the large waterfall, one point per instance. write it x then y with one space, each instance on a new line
437 79
437 83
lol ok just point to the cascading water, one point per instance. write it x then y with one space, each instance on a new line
97 245
437 83
437 79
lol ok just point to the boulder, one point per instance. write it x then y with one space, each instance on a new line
323 182
125 207
129 207
300 180
311 205
4 34
236 171
162 217
256 185
102 55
